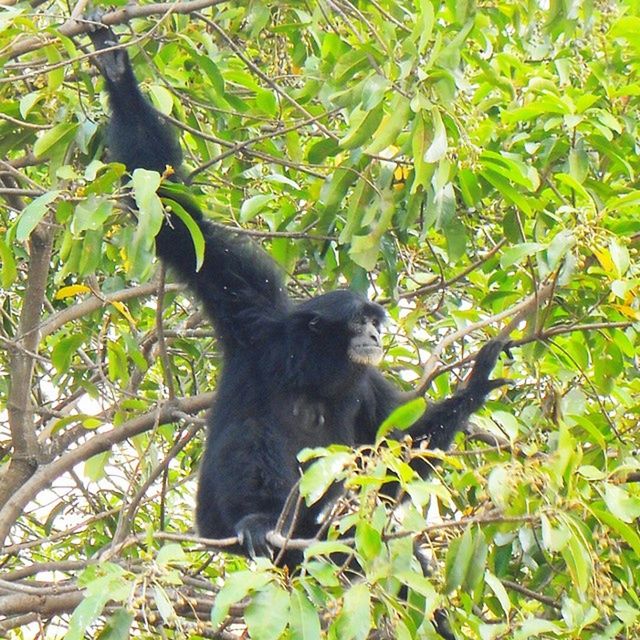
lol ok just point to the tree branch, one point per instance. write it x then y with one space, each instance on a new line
26 451
95 302
516 313
75 27
99 443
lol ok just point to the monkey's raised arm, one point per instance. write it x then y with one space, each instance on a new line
238 283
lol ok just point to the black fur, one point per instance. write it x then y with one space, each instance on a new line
287 381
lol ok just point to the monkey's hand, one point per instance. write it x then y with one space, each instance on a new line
112 62
252 533
478 382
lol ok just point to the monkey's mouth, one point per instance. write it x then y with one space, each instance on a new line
370 354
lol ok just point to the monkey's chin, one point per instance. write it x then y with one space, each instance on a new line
366 354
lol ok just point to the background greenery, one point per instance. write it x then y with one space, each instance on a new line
473 166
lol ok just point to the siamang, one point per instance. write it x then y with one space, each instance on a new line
295 374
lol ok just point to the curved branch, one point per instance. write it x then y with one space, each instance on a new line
44 476
75 27
517 313
95 302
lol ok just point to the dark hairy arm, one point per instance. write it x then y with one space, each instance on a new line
238 283
441 420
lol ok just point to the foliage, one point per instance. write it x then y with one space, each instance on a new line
473 166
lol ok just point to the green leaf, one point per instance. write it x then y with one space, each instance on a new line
322 474
266 102
334 190
391 125
304 620
456 236
512 255
210 68
29 101
631 199
499 591
91 250
624 530
509 193
32 214
9 270
268 613
321 150
533 627
499 486
162 98
572 183
626 27
422 585
150 217
327 548
423 29
171 553
469 188
511 168
459 557
251 207
354 621
420 140
373 91
351 63
542 106
368 540
562 243
57 135
150 213
118 626
579 163
620 256
84 614
165 608
94 467
363 125
438 148
90 213
364 251
478 562
402 417
621 504
117 362
578 561
192 226
237 586
555 538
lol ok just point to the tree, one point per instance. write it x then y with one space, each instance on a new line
471 165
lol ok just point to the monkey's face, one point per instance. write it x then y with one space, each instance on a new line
365 346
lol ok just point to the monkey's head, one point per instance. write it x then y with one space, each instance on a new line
349 323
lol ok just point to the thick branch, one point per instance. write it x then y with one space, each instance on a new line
75 27
25 445
45 605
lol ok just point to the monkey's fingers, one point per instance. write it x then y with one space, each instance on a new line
507 349
498 382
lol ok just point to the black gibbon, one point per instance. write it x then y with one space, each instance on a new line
295 374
